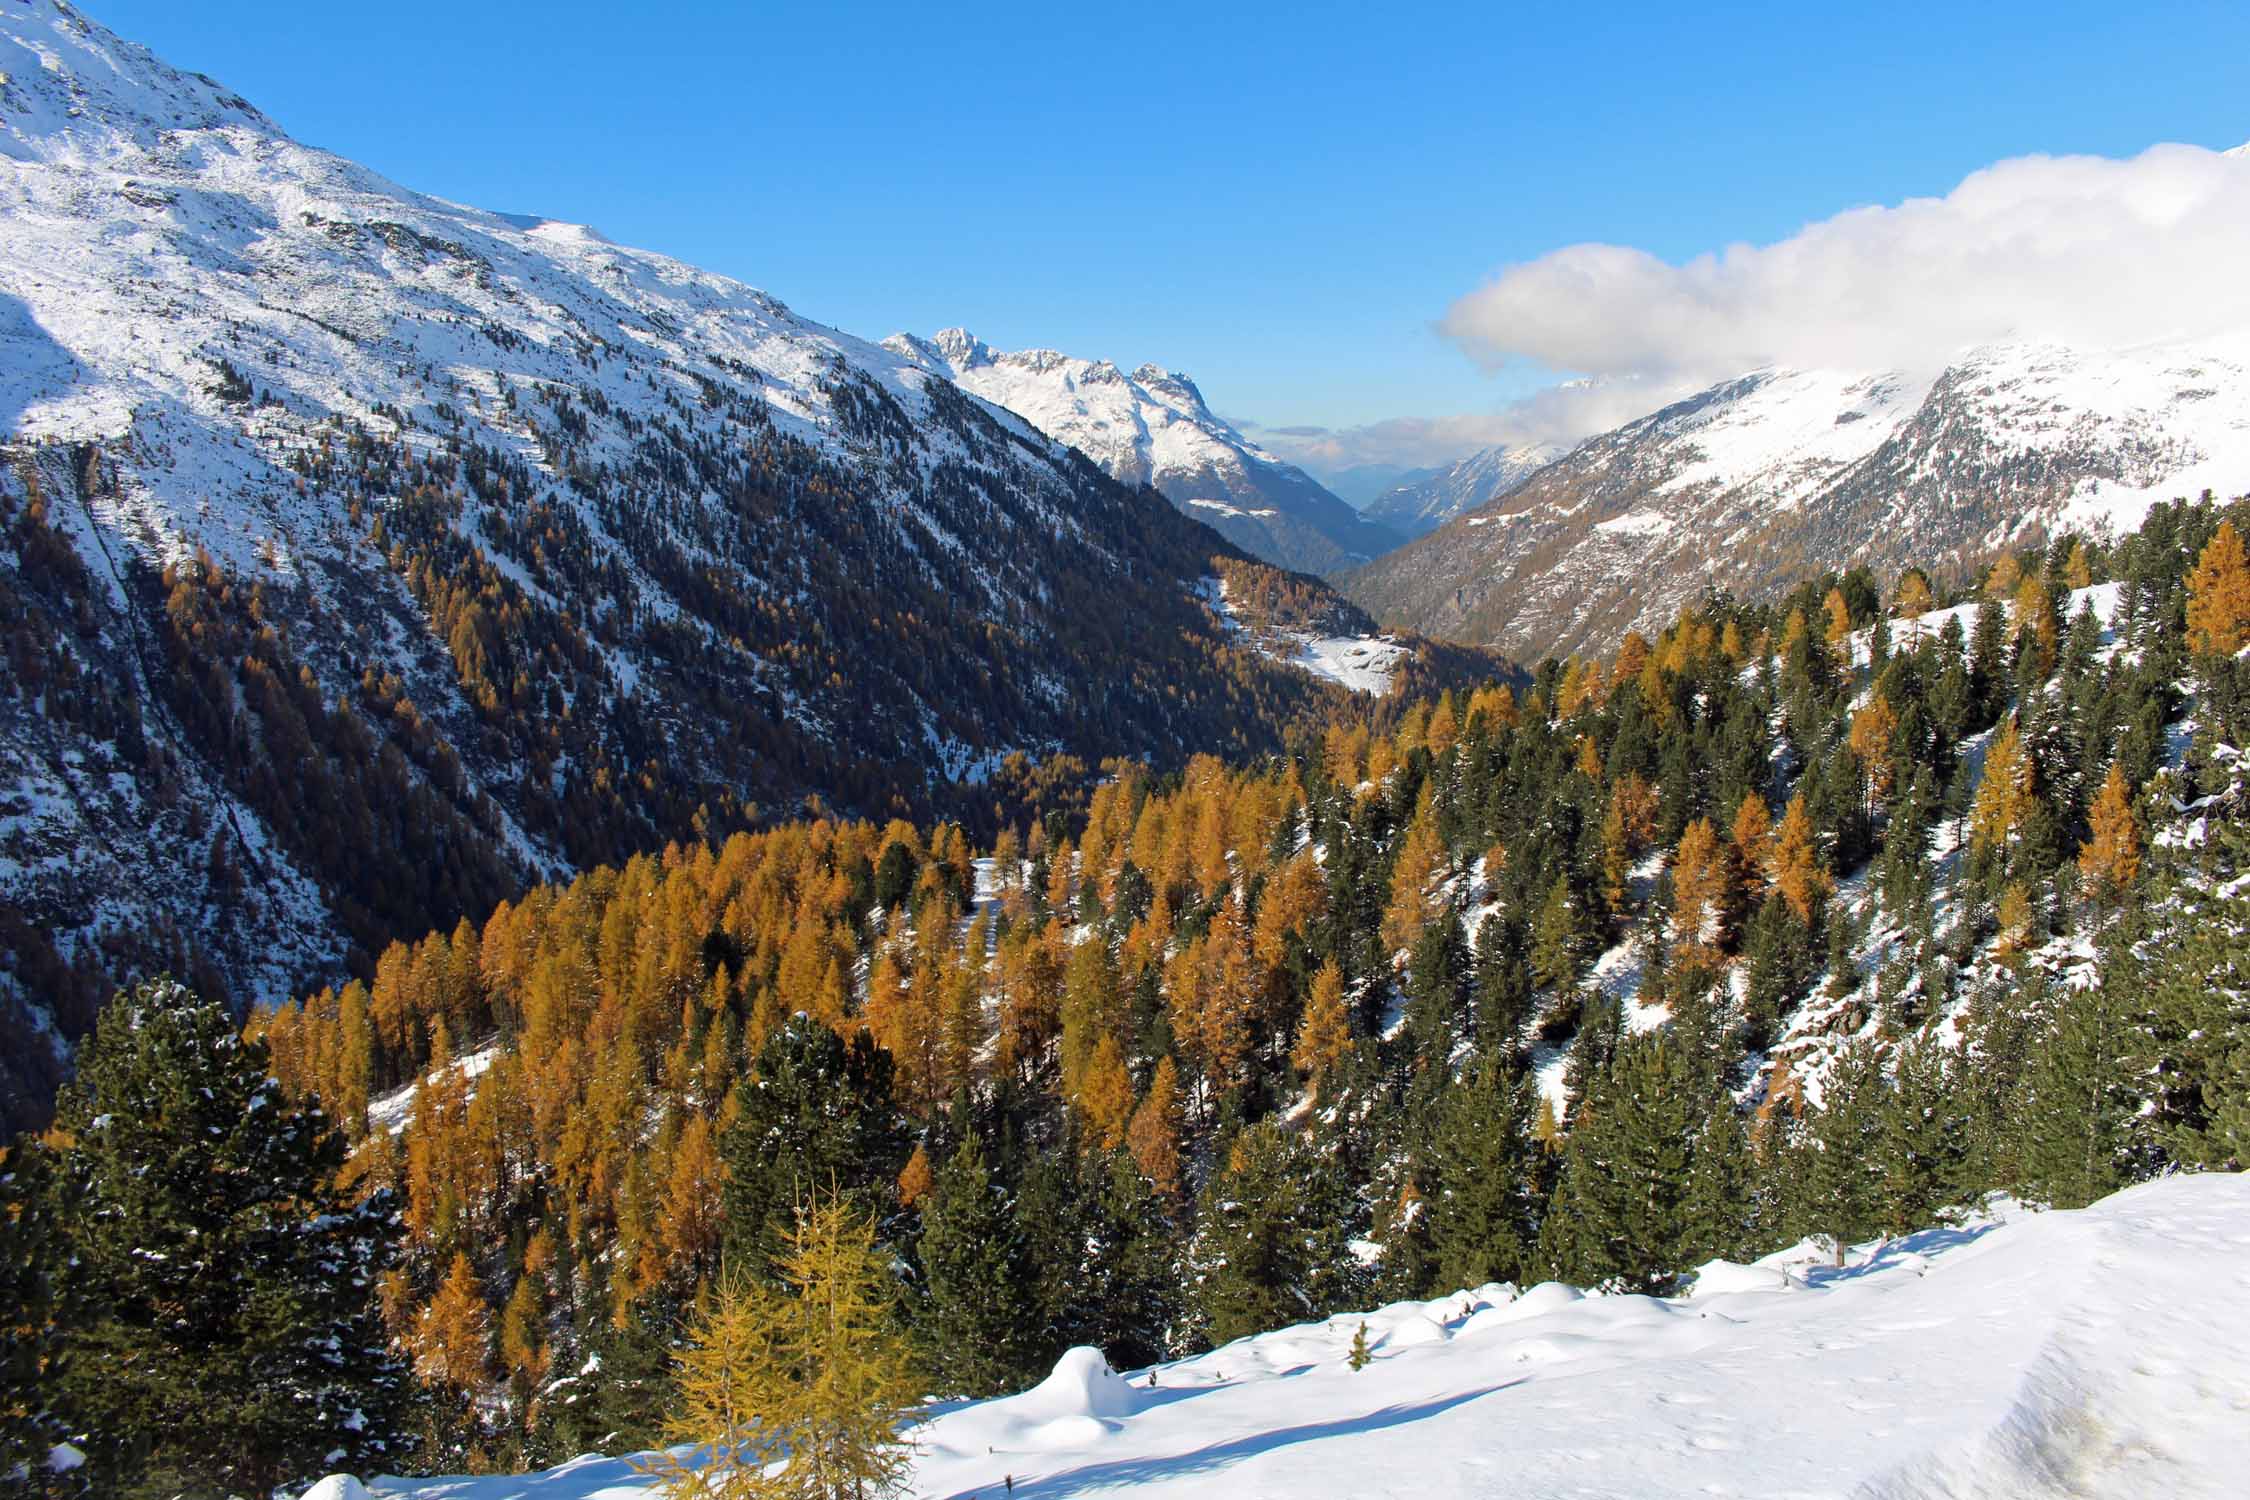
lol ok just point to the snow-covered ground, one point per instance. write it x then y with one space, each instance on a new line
1362 663
2104 1352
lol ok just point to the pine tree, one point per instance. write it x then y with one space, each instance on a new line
2076 1115
1920 1145
1482 1183
1716 1210
33 1329
1617 1216
229 1338
816 1112
1560 938
1272 1242
974 1265
1360 1354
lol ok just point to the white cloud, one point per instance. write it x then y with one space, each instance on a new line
2081 250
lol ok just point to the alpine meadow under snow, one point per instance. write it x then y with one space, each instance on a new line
2095 1353
610 893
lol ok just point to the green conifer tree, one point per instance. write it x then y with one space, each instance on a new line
228 1338
974 1318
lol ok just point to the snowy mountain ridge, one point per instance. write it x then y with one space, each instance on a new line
1762 480
1153 427
350 534
1422 506
2087 1353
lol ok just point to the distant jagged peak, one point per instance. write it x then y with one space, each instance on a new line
958 346
1171 383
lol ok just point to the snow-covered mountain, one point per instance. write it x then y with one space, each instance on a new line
1759 482
2089 1353
1152 427
1423 504
363 554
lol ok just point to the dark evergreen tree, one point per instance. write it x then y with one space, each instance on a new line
227 1338
1273 1240
1921 1143
1617 1216
1481 1180
816 1113
33 1425
1718 1209
976 1317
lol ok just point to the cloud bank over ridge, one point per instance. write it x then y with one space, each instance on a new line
2089 251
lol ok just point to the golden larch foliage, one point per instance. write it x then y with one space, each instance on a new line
1324 1038
2111 858
2218 616
1796 871
2006 792
1752 837
1870 744
1154 1135
452 1338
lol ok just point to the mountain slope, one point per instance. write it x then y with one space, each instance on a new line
363 555
2088 1353
1759 482
1423 504
1152 427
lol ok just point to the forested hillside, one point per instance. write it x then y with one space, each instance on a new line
365 558
1811 917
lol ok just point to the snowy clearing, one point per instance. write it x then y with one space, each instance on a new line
2094 1353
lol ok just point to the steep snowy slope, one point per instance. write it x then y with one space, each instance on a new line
362 554
1758 482
1420 506
1152 427
2097 1353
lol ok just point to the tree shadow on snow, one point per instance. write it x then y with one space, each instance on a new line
1156 1470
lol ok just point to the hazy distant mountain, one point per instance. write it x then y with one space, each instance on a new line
1421 504
1152 427
1362 484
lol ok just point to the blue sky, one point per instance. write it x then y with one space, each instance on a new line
1282 201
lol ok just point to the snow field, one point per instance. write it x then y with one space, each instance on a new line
2103 1352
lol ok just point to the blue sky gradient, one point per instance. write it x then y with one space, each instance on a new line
1278 200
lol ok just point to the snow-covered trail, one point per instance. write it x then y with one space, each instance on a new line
2099 1353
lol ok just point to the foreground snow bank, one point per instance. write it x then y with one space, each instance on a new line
2099 1353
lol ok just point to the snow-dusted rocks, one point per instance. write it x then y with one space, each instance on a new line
1152 427
1764 480
1421 506
2098 1353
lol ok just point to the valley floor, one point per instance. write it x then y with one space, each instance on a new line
2103 1352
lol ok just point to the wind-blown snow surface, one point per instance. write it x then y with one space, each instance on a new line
2098 1353
1761 481
1152 427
